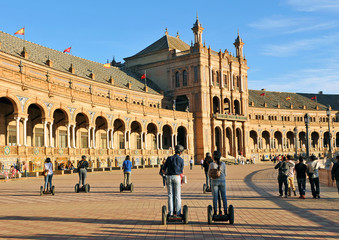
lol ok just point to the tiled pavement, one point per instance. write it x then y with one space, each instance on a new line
105 213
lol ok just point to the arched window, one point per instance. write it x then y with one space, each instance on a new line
177 81
217 78
184 78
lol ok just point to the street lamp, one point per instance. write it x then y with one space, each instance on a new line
296 143
307 123
328 113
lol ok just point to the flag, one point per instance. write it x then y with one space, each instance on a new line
262 94
288 98
314 98
143 76
20 32
68 50
107 65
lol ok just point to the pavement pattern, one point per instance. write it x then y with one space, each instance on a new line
105 213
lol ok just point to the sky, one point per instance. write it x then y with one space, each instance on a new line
290 45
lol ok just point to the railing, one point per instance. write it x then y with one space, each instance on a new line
230 117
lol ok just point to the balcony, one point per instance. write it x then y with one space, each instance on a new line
230 117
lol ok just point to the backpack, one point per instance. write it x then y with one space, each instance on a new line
215 173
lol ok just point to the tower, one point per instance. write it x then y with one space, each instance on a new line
197 30
239 44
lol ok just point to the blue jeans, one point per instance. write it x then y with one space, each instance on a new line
282 180
301 185
219 185
337 181
48 181
174 194
207 180
315 186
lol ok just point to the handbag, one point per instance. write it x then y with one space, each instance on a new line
45 172
184 179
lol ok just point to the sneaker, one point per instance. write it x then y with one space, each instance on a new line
280 195
314 197
318 196
303 196
285 196
295 194
220 212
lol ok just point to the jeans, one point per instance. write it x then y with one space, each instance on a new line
207 180
82 176
301 185
164 178
282 180
174 194
217 186
127 178
315 186
337 185
48 181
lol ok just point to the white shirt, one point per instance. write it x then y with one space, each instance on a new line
49 168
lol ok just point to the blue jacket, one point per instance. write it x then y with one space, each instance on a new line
127 165
174 165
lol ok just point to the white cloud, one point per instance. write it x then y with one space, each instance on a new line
314 5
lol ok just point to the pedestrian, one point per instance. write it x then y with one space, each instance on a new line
191 163
127 168
335 172
290 179
173 167
313 176
164 178
282 175
217 172
202 163
208 160
48 173
301 170
25 168
82 170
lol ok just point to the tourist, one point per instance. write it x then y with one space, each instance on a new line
173 167
217 172
313 176
335 172
191 163
164 177
202 163
127 168
282 175
208 160
301 169
82 170
25 168
290 178
48 173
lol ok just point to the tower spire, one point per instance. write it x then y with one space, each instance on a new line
197 30
239 44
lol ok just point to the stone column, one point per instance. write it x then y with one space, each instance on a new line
158 141
73 136
187 142
45 133
145 134
51 134
172 140
107 138
25 131
18 131
112 138
129 139
89 137
125 142
94 143
161 141
176 139
142 140
68 136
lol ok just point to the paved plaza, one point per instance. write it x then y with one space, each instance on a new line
105 213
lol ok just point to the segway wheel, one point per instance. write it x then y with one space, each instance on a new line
131 187
121 187
89 187
185 217
41 190
231 214
204 188
76 188
164 215
86 188
52 190
209 214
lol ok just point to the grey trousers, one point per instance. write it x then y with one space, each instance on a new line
82 176
127 178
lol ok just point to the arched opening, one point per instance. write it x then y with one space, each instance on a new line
238 140
35 128
216 105
253 140
135 135
218 139
337 139
217 78
314 140
177 79
266 140
229 141
290 139
60 129
8 124
82 123
166 137
277 140
326 142
184 78
181 103
101 126
227 106
302 140
151 136
237 107
182 136
119 134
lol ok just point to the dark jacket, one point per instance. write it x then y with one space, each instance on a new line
83 164
207 162
301 170
174 165
283 168
335 171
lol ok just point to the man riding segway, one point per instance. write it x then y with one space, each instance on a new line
82 170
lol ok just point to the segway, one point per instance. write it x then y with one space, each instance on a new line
50 191
174 218
205 189
221 217
129 187
85 188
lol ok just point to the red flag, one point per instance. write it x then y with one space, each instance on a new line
20 32
68 50
262 94
314 98
143 76
288 98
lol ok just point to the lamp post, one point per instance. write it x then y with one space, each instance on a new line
328 113
296 143
307 124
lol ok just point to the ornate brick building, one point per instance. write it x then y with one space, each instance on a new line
61 106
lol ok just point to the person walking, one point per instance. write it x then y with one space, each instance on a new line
164 177
301 170
335 172
48 170
208 160
313 176
191 163
82 170
282 175
173 167
290 179
127 168
217 172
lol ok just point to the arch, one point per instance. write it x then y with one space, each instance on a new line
218 138
182 103
60 120
62 108
217 78
81 133
253 143
119 133
290 139
136 131
151 136
181 136
216 105
38 103
314 139
278 140
84 113
229 141
35 128
227 106
102 116
167 136
101 126
302 139
326 136
184 78
265 140
238 141
14 100
8 134
237 107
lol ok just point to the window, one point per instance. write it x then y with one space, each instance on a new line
184 78
84 139
121 141
103 141
177 81
195 74
62 139
225 80
39 137
218 78
154 142
138 143
11 135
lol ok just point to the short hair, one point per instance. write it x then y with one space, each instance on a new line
127 157
48 160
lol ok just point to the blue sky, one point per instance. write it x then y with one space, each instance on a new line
290 45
